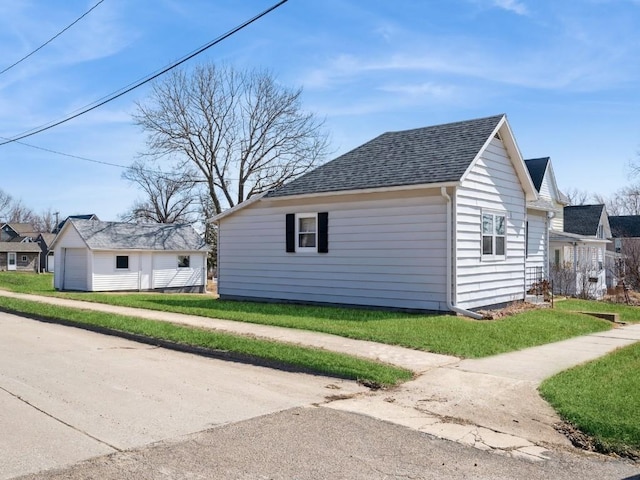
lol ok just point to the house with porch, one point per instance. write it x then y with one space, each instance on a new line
580 252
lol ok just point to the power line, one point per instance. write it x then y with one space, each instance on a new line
71 155
85 159
52 38
125 90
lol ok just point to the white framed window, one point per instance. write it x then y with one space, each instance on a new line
184 261
122 262
306 232
24 258
494 235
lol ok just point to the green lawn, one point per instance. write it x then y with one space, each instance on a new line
310 359
445 334
602 399
628 313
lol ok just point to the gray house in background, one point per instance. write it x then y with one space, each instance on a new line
19 256
428 219
116 256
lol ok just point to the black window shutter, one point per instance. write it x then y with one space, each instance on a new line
323 232
291 232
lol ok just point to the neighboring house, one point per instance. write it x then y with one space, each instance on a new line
88 216
429 219
579 252
20 256
625 247
17 232
46 258
115 256
543 215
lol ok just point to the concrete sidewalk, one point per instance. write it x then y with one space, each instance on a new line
490 403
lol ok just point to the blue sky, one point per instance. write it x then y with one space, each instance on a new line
566 73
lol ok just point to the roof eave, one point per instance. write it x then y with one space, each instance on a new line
332 193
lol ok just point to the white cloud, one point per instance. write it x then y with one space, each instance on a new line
424 89
512 6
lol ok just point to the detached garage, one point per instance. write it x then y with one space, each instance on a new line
96 256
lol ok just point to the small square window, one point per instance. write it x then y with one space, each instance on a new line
494 230
306 234
122 262
183 261
24 258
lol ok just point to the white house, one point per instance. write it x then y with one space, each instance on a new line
580 250
544 215
429 219
112 256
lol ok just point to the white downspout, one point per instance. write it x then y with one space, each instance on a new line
450 304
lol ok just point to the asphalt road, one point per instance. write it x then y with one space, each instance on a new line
67 394
79 405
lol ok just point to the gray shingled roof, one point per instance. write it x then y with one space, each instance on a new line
537 168
625 226
441 153
131 236
582 219
19 247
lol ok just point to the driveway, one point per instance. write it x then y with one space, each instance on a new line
67 394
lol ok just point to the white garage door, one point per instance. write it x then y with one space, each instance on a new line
75 269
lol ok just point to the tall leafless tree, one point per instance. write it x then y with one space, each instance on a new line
241 131
44 221
5 206
577 197
625 201
167 197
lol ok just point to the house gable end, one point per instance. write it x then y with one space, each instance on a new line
503 132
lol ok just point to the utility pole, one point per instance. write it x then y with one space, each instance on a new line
57 220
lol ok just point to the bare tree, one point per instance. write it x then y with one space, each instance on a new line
625 201
168 197
5 205
44 221
241 131
577 197
20 213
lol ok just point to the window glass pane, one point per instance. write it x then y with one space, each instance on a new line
307 225
307 240
499 245
500 224
487 224
487 245
183 261
122 261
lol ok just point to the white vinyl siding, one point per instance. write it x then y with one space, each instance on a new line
537 245
384 250
167 274
491 185
107 277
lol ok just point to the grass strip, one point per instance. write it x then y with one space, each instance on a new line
602 399
446 334
628 313
246 348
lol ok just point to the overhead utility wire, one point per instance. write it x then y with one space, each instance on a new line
52 38
147 79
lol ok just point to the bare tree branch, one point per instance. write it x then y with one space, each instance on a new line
167 197
241 131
